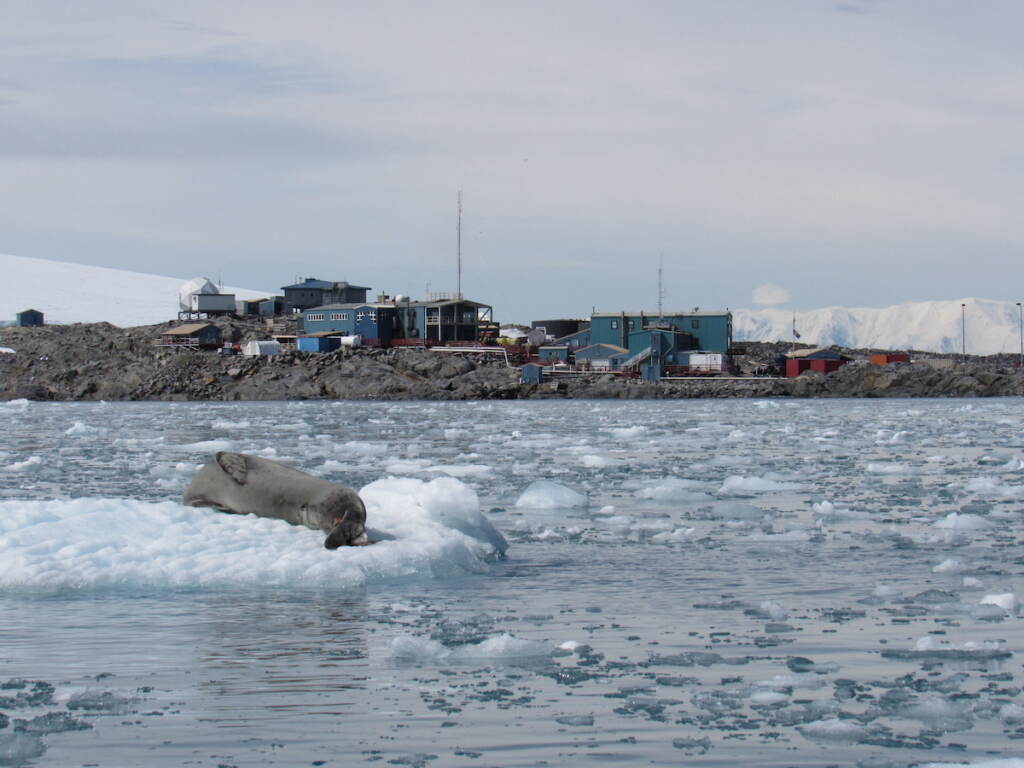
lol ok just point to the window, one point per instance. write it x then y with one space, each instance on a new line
695 323
359 317
630 324
315 316
433 316
373 317
339 315
615 324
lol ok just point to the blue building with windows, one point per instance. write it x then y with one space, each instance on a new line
440 321
708 331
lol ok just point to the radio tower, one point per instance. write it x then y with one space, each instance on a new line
458 250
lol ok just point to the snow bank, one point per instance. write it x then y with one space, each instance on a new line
88 543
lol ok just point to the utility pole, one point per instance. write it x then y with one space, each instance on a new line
661 291
963 333
458 250
1020 312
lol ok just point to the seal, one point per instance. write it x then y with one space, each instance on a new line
242 484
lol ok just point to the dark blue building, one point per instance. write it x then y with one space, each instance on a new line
28 318
314 293
437 321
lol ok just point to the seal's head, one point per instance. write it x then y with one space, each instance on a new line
346 516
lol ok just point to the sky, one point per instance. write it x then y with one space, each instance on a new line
792 153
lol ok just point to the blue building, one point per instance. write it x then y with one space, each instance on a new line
440 321
314 293
28 318
602 357
321 342
711 331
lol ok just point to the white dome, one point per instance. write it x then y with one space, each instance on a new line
194 286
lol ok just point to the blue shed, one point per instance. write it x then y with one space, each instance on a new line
28 318
318 343
272 306
531 373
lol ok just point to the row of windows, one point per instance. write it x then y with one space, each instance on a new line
631 324
313 316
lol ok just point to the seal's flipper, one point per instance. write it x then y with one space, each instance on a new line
234 466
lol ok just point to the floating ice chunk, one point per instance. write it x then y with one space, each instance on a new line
454 433
739 484
627 433
461 470
443 500
593 461
503 646
7 351
1007 601
31 464
409 648
770 609
886 468
18 748
949 565
673 537
229 425
737 510
673 489
606 511
80 428
545 494
1011 714
764 404
768 697
954 521
793 536
826 510
886 591
406 466
20 404
582 720
833 731
365 448
939 713
972 582
209 446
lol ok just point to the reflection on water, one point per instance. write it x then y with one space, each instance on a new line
745 583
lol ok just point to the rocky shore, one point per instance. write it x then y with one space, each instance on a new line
103 362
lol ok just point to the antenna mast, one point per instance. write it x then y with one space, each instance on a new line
458 249
661 291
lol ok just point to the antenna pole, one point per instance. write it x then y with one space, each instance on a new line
458 249
661 292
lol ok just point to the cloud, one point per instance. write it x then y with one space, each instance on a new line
768 294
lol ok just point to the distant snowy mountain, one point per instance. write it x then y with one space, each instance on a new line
77 293
992 326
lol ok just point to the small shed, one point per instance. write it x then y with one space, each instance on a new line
531 373
205 335
272 306
318 342
29 318
261 348
885 358
820 359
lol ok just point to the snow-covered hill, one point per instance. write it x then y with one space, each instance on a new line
992 326
77 293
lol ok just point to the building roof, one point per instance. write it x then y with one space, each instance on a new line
325 285
817 352
614 349
720 313
188 329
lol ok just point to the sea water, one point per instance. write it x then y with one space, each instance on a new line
777 583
